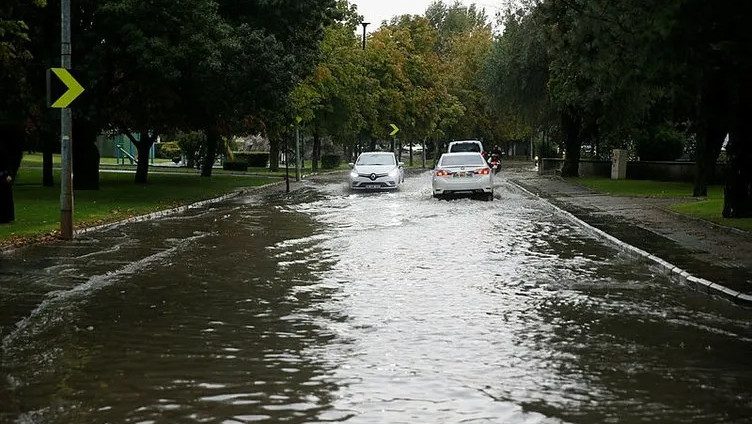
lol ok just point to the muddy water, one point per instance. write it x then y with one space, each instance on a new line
328 306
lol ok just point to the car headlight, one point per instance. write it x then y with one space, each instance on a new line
394 173
353 174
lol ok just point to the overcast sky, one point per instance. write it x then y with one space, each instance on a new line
375 11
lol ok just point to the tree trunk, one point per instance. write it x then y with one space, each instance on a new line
11 142
437 151
143 147
85 155
737 201
709 144
316 153
274 153
212 142
713 125
11 146
571 126
48 146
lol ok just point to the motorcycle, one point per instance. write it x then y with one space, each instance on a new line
494 161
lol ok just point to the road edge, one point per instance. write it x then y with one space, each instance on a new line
157 214
675 273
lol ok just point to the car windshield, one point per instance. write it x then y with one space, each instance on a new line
465 147
376 159
462 160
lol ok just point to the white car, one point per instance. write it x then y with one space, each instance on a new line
462 173
376 171
417 148
466 146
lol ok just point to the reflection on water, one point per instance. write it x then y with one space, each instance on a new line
324 305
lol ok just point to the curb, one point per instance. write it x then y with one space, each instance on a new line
675 273
159 214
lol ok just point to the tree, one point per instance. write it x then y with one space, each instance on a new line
147 49
279 44
330 101
516 76
15 57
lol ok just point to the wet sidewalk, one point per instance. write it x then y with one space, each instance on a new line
703 255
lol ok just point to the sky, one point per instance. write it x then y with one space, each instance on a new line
375 11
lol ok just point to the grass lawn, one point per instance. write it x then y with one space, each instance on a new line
709 208
34 160
38 208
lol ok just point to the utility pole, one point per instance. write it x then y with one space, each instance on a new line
66 133
365 24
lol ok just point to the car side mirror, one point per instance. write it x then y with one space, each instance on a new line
351 165
401 164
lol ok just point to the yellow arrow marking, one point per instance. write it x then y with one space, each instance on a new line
74 88
395 130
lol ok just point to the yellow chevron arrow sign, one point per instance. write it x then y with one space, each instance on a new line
74 88
395 130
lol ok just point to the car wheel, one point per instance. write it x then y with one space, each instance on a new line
489 197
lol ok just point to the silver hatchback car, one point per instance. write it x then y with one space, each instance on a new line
460 173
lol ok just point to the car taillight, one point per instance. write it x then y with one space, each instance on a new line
482 171
443 173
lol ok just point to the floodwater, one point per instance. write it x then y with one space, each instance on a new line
328 306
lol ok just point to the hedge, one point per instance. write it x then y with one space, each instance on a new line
167 150
234 166
330 161
253 159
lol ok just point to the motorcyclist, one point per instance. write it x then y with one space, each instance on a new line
496 155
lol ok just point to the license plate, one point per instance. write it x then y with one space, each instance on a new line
373 185
461 174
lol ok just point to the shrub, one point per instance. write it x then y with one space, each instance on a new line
660 143
234 166
167 150
330 161
192 145
253 159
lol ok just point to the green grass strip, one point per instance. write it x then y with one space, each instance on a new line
709 208
38 208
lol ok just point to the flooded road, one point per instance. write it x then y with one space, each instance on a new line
326 306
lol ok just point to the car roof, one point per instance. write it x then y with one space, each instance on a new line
466 143
454 143
377 153
461 154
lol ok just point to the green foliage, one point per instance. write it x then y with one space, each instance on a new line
662 142
330 161
191 144
167 150
253 159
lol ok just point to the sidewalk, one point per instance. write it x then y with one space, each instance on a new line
703 255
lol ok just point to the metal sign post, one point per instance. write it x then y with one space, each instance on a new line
394 132
62 100
66 133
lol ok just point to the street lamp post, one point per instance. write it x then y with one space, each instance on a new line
365 24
